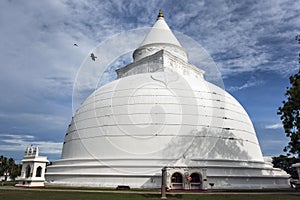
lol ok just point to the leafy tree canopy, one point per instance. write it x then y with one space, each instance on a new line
290 115
285 163
9 168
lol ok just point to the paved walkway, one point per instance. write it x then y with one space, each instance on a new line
147 192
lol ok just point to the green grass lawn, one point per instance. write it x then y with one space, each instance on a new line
47 195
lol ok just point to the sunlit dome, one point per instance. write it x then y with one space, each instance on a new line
161 112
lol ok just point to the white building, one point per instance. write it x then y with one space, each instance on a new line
33 169
161 112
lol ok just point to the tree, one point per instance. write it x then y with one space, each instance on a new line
285 163
290 114
16 171
9 168
3 162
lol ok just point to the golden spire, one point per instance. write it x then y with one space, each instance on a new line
160 14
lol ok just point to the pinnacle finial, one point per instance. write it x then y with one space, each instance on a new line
160 14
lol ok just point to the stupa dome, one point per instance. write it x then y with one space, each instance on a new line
161 112
162 115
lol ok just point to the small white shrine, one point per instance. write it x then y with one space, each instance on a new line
33 168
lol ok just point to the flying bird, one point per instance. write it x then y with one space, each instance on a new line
75 45
93 57
298 38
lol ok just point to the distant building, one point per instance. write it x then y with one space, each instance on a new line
161 112
5 177
33 168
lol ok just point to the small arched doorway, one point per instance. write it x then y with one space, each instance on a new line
196 181
177 181
27 171
39 172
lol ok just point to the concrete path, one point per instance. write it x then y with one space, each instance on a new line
296 192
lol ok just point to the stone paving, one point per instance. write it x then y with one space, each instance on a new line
288 191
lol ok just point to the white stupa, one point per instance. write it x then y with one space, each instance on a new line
161 112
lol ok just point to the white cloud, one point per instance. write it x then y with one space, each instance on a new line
252 82
244 37
17 136
16 142
274 126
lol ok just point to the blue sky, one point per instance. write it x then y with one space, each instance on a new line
251 42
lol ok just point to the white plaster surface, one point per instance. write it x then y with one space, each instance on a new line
161 112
